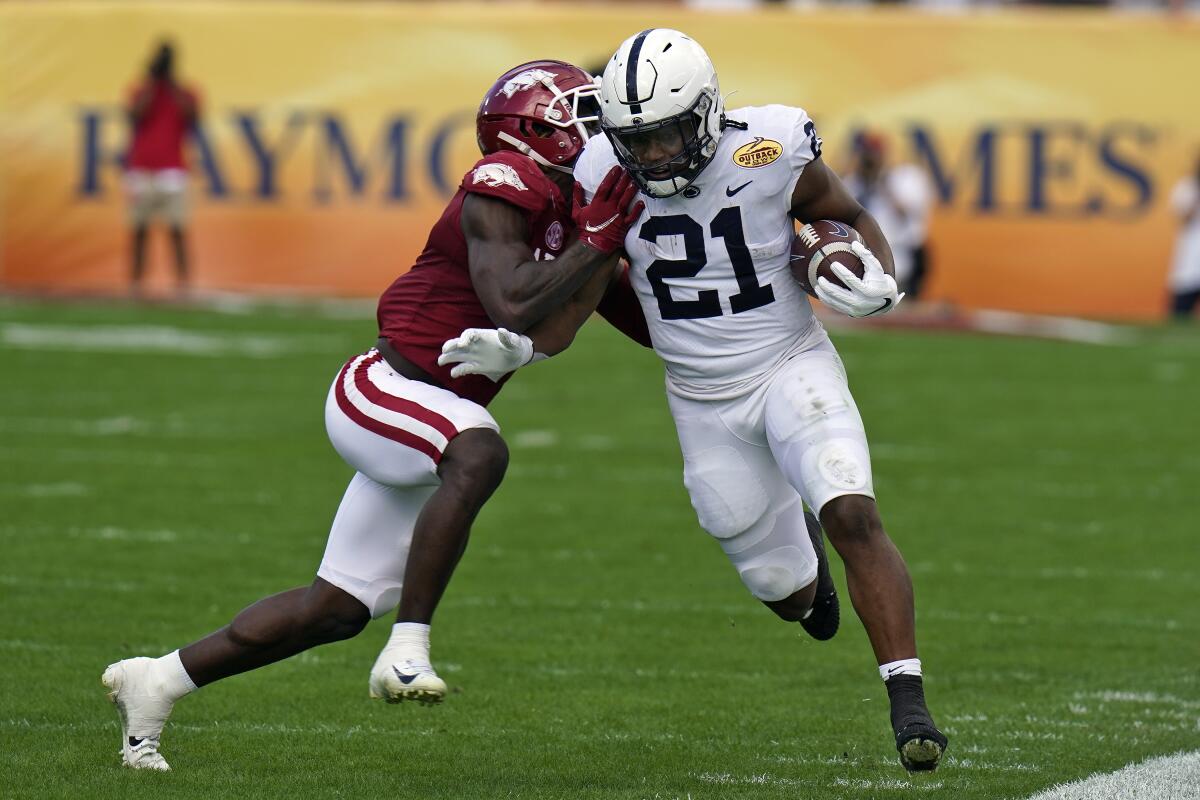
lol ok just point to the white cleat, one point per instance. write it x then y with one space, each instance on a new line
143 709
398 679
143 755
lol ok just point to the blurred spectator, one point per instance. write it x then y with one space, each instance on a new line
900 197
161 114
1184 281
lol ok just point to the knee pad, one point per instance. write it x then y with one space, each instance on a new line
775 557
380 599
777 575
380 595
728 496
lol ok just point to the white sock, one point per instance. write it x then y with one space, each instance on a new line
410 640
173 678
905 666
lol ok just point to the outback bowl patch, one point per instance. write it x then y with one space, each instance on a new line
757 153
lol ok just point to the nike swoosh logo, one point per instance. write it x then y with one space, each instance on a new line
887 303
731 192
405 679
590 229
840 229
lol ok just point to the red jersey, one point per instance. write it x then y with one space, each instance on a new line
435 300
157 141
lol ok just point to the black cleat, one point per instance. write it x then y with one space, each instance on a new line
918 740
822 620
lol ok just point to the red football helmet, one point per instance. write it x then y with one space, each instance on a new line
544 109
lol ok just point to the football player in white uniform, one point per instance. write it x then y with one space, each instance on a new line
758 393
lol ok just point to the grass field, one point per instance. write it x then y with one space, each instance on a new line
162 468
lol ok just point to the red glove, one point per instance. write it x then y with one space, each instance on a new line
603 223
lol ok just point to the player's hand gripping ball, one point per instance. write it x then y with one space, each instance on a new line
817 247
831 262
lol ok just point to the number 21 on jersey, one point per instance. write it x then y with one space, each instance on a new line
726 225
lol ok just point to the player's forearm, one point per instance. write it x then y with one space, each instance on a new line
872 234
557 331
540 288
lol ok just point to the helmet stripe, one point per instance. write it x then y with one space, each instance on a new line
631 91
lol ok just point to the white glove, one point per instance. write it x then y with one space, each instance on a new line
484 351
874 293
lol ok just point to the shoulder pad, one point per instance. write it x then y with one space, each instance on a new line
512 177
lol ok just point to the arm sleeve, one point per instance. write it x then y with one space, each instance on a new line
511 177
621 309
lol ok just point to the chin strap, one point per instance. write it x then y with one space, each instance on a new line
529 151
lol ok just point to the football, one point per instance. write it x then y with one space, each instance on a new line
817 247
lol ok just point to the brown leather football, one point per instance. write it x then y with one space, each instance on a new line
817 246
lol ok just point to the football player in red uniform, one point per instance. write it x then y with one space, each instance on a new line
427 454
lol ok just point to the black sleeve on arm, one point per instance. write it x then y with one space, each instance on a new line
621 309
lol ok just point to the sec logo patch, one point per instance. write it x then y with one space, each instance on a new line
758 153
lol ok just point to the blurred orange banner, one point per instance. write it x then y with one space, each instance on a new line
333 133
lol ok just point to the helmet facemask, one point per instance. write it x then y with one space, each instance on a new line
527 111
583 104
689 135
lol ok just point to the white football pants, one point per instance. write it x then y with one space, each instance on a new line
393 431
748 462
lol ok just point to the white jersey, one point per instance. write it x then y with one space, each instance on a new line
710 265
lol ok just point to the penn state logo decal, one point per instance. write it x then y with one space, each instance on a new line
554 235
498 175
757 153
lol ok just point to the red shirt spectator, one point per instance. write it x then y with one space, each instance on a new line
163 112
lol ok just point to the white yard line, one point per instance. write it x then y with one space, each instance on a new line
235 304
1065 329
159 338
992 321
1173 777
534 439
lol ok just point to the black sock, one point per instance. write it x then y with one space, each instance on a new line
907 694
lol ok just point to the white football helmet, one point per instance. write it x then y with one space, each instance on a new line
661 108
